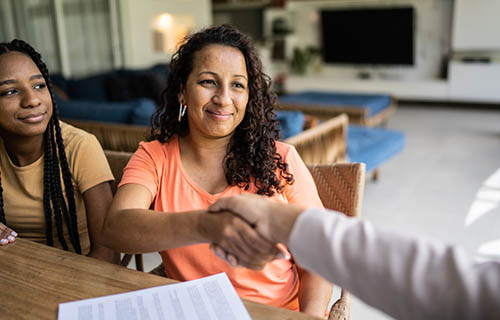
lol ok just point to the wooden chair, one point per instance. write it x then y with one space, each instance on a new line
117 161
324 143
340 187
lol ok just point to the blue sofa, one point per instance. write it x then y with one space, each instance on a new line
120 96
130 97
116 85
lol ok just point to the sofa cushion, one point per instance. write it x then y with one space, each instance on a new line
128 85
59 81
119 112
141 115
290 123
375 103
373 146
88 88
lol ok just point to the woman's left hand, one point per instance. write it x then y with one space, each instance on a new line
7 235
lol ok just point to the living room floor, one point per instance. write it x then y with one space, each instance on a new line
444 185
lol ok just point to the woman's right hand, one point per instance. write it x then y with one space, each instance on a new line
238 239
7 235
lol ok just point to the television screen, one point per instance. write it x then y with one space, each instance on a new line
368 36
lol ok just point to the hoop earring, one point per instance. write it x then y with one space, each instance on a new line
182 111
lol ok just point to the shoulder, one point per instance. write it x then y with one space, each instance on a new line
157 151
156 147
285 150
74 137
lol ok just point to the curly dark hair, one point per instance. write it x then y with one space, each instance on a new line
55 205
251 156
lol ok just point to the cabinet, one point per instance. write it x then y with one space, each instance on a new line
474 82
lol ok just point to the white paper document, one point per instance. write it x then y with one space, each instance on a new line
207 298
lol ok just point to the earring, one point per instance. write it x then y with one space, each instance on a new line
182 111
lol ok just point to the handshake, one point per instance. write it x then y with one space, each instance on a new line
253 230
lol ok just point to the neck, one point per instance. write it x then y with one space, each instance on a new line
23 152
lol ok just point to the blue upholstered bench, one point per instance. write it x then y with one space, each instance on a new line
291 123
362 109
370 145
373 146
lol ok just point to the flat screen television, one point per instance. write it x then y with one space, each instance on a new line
376 36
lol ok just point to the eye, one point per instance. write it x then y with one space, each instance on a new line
40 86
208 82
238 85
8 92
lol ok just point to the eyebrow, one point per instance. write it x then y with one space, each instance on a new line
11 81
215 74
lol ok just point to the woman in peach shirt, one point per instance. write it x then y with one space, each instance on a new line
214 136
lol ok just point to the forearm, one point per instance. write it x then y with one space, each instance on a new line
104 254
143 230
314 293
405 277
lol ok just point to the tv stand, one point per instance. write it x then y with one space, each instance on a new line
364 75
422 90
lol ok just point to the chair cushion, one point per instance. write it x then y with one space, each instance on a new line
375 103
373 146
290 122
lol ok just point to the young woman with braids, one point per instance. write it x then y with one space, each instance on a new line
214 136
54 178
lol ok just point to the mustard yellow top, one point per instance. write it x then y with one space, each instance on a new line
23 186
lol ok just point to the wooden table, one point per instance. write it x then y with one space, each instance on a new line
35 279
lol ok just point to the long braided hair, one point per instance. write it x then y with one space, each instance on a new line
251 156
55 205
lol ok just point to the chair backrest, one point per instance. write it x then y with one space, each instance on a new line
324 143
340 186
114 136
117 161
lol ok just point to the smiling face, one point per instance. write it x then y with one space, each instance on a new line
216 91
25 102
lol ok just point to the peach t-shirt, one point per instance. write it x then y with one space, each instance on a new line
158 167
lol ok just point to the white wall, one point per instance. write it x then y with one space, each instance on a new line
137 21
476 25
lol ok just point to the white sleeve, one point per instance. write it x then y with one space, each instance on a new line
408 278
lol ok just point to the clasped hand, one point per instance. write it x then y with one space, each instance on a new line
257 225
7 235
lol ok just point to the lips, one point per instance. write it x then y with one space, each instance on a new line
35 117
219 115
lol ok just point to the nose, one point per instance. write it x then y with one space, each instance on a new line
30 99
222 96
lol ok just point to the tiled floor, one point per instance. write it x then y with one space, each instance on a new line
438 186
444 185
